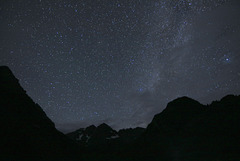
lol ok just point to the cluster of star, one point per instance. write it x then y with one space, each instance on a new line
119 62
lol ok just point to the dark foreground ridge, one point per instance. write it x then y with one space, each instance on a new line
185 131
26 132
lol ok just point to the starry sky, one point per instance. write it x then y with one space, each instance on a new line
120 61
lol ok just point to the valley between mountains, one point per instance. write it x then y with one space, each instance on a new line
185 130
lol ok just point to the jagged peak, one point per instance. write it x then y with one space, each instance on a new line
184 98
229 97
15 98
5 68
183 101
91 127
8 82
6 73
104 125
183 105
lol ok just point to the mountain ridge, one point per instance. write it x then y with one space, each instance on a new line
185 130
26 131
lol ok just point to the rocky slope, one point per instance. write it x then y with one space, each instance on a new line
26 131
185 130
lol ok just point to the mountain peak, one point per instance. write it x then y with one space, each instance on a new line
90 130
26 129
6 68
92 134
6 73
104 129
16 104
227 101
183 102
8 82
177 113
91 127
104 125
230 98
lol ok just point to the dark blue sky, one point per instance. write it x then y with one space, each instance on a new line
120 62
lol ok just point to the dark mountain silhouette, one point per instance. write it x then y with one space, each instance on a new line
82 135
26 132
185 131
93 136
104 134
176 115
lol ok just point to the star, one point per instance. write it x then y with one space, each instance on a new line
90 63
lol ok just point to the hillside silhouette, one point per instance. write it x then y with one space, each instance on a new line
185 130
26 131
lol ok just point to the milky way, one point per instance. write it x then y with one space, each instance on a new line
120 62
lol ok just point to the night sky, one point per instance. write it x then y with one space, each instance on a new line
120 61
